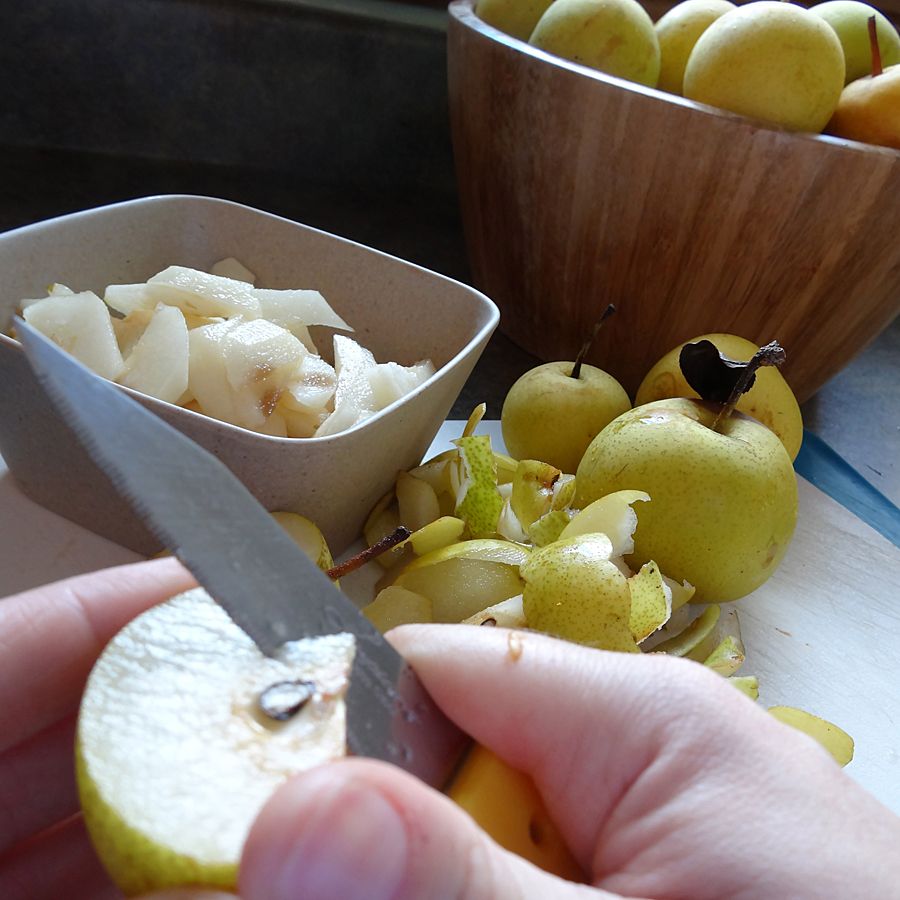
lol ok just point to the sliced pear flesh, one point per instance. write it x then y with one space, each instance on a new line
611 515
506 614
395 605
183 682
305 533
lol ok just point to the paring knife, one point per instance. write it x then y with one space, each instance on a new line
200 511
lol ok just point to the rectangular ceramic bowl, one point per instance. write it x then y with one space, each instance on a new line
400 312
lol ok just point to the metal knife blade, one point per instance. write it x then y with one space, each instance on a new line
247 563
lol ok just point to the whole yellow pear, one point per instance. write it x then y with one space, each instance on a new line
850 21
678 30
772 61
869 110
513 17
723 504
613 36
550 416
770 400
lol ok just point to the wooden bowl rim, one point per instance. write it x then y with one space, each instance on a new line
463 11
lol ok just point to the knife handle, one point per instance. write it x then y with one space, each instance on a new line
507 805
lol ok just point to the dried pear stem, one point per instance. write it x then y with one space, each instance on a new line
771 355
876 50
576 369
367 555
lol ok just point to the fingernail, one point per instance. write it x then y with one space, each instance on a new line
347 840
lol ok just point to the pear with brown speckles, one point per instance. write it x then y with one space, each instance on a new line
724 501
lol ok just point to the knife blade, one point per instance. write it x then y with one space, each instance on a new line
200 511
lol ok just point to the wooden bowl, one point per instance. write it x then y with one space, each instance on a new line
579 189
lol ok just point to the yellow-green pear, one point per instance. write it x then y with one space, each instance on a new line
551 415
850 21
770 400
613 36
869 110
724 502
678 30
769 60
516 18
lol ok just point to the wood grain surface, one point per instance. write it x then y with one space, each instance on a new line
578 189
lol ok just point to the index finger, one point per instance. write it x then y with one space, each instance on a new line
51 636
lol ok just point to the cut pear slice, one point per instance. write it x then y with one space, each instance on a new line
200 293
417 502
835 740
549 528
81 325
395 606
234 269
436 535
307 536
611 515
728 656
174 756
466 577
296 309
158 364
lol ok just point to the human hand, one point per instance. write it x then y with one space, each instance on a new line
49 639
664 780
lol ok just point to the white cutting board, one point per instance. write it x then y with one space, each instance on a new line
820 634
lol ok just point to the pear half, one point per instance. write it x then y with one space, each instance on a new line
175 755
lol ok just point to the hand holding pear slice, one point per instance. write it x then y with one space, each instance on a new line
183 682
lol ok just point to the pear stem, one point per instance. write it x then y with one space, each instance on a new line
876 50
771 355
576 369
367 555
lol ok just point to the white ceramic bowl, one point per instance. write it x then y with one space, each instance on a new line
400 312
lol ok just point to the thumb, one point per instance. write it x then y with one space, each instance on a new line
363 829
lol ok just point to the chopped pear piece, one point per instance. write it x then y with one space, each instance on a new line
390 381
746 684
297 309
563 492
233 268
486 549
81 325
382 521
508 525
307 536
506 614
435 535
395 606
313 389
651 601
129 298
129 329
239 370
835 740
417 502
611 515
202 294
158 364
459 587
478 501
53 290
353 398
